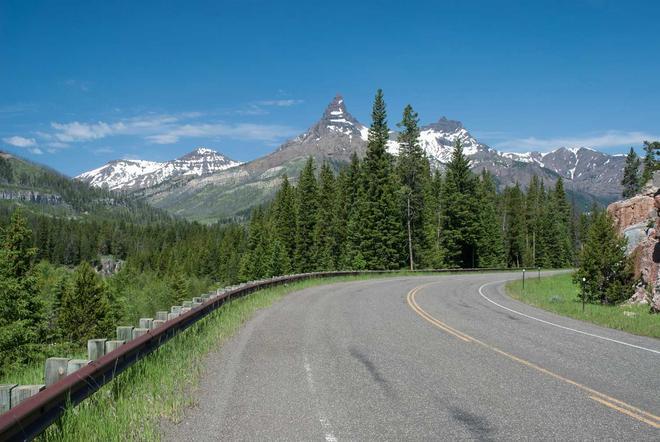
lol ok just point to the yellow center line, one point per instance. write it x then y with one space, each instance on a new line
602 398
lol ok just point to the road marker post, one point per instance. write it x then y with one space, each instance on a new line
584 294
523 279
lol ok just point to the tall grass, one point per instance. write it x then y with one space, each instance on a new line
560 295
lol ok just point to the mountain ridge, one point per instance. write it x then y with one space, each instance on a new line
337 135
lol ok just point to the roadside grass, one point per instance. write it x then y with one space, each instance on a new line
560 295
163 384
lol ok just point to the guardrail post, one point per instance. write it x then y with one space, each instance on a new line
186 304
161 316
55 370
113 345
137 332
75 365
185 309
125 333
95 348
147 323
22 392
5 396
176 309
157 323
171 316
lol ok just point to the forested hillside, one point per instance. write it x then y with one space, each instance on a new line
42 190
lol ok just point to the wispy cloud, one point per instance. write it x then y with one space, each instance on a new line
612 138
279 103
162 129
18 141
243 131
29 144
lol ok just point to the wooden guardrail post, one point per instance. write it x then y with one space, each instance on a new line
158 322
95 348
113 345
75 365
22 392
137 332
5 396
125 333
161 316
147 323
55 370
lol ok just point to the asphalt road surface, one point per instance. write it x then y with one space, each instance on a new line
445 357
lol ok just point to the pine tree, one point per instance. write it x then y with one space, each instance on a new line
382 236
649 163
352 206
256 260
86 310
490 242
460 218
515 229
325 234
631 178
434 255
306 215
22 314
607 272
414 174
284 219
178 283
533 211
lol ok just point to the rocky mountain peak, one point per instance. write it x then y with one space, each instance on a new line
445 125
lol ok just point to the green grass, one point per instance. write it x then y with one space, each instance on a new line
560 295
162 385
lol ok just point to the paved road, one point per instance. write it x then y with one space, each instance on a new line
425 358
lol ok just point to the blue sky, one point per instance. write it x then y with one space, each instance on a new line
84 82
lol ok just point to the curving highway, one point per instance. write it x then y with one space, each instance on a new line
445 357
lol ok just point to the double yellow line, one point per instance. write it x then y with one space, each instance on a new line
601 398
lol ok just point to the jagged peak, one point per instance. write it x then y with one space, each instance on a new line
445 125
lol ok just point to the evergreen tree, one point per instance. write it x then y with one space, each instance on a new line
460 217
86 309
178 283
534 200
255 263
284 219
325 233
352 206
515 230
607 272
306 215
434 254
631 178
490 241
414 174
649 162
22 315
382 236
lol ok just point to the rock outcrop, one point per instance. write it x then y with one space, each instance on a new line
638 219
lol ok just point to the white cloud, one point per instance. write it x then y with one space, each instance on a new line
164 129
243 131
610 138
18 141
279 103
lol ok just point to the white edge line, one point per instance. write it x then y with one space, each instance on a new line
557 325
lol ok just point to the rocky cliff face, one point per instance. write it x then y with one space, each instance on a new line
638 219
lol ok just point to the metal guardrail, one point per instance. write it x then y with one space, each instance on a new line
34 415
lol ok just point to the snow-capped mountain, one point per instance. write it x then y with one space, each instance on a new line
215 193
139 174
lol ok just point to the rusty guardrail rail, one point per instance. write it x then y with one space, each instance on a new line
34 415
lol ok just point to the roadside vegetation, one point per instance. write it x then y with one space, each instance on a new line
161 386
560 294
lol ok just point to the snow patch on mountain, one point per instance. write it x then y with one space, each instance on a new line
137 174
